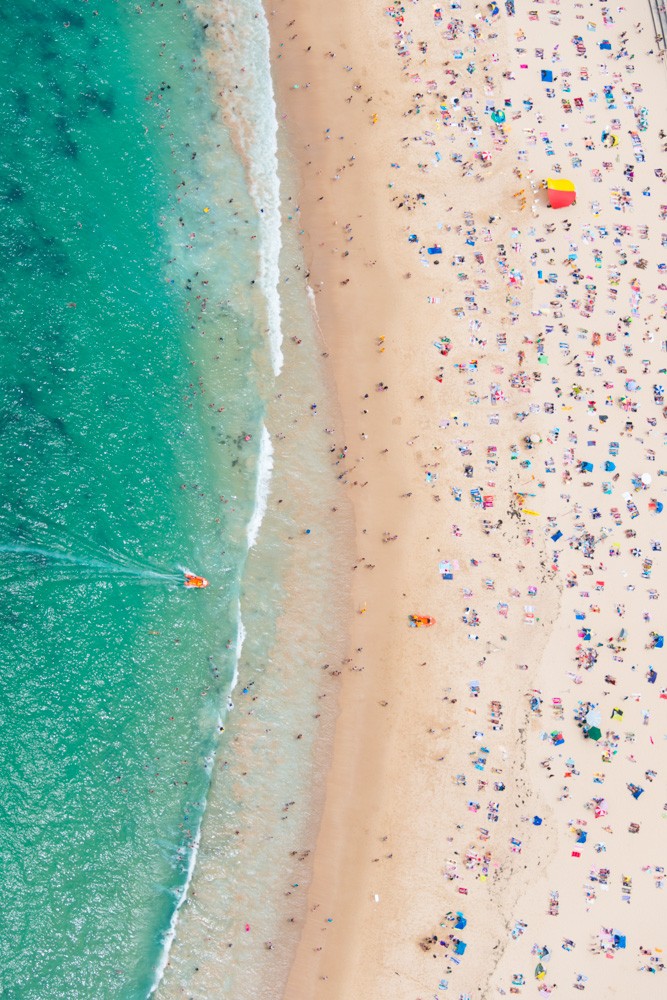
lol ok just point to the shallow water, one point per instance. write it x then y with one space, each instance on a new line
263 807
261 819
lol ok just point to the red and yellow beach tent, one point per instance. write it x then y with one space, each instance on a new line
561 193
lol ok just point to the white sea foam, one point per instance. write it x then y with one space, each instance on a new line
170 933
193 849
313 308
242 63
240 639
262 489
265 189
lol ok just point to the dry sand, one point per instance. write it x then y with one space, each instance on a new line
404 842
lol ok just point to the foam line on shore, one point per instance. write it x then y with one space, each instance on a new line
182 893
265 191
181 896
240 639
263 486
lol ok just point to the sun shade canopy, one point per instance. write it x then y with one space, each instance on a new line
561 193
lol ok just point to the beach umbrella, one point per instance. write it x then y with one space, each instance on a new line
498 116
594 733
655 506
593 717
647 479
561 193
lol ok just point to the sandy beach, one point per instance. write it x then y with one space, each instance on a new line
498 365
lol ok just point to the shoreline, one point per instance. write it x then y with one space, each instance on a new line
256 833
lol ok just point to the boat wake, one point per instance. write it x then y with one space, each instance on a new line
41 555
22 564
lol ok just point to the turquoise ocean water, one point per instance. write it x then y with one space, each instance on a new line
130 424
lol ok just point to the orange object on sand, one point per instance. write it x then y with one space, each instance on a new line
421 621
